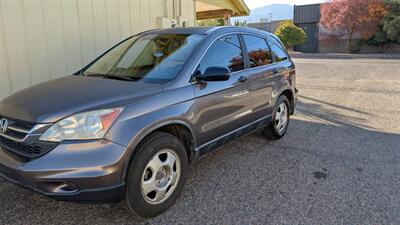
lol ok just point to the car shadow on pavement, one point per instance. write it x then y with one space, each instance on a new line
333 113
312 108
329 168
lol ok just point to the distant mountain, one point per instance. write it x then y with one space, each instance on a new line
274 12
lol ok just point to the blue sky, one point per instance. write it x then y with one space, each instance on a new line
252 4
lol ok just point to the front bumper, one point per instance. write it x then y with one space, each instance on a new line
75 171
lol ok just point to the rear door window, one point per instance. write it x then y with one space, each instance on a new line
257 50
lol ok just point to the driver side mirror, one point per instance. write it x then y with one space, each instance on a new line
215 73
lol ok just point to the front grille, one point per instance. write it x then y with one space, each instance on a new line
21 124
22 138
33 150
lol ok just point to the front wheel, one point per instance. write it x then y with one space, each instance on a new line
280 120
156 175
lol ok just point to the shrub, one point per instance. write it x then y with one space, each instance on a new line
290 34
354 49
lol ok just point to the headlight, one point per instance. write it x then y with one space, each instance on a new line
82 126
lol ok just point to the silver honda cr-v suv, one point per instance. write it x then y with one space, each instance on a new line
127 125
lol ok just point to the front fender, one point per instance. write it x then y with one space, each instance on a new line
141 118
137 129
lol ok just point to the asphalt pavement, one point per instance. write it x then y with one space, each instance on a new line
338 164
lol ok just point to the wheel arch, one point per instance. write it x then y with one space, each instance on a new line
179 128
290 95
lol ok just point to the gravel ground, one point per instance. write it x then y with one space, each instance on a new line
338 164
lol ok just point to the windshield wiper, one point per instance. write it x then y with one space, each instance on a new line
116 77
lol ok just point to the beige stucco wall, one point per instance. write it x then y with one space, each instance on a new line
46 39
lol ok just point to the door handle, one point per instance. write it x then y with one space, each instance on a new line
242 79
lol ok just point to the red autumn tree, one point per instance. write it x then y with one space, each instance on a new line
350 17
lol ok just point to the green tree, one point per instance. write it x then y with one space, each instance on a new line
391 22
290 34
389 28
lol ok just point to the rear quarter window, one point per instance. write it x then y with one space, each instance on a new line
277 50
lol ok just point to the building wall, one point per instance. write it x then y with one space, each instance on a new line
335 42
266 26
337 45
307 17
307 13
311 43
47 39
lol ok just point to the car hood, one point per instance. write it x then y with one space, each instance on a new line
53 100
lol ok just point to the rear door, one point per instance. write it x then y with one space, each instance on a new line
260 73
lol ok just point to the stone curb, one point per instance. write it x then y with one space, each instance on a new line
344 56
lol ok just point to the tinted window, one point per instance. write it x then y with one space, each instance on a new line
258 51
278 54
151 57
224 52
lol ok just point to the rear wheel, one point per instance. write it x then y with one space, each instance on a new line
156 175
280 120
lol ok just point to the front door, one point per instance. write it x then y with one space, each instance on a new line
221 107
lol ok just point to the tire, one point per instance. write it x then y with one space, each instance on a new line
156 152
274 130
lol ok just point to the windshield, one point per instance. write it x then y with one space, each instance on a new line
153 57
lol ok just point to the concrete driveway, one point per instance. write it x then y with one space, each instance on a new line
338 164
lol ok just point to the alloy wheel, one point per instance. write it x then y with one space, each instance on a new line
161 176
281 118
